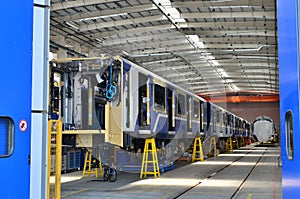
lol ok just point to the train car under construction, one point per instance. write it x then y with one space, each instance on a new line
114 101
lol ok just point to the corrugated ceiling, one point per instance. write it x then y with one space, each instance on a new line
208 47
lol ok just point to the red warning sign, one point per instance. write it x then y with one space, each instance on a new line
23 125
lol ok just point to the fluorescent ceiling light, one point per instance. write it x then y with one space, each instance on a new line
105 16
170 10
72 25
125 53
196 40
222 72
214 7
216 63
229 80
235 88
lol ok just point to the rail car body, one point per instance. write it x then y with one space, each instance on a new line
126 103
288 54
264 129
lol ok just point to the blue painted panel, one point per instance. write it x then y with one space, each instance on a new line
180 126
288 52
159 122
15 71
195 127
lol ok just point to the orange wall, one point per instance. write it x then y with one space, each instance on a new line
250 111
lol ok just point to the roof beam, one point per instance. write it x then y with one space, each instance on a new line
109 33
101 25
218 15
199 4
227 33
103 13
77 3
247 24
144 38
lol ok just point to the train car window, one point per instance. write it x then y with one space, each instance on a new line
289 133
127 99
224 119
142 103
181 104
171 109
218 115
159 97
100 112
214 119
196 109
6 137
202 116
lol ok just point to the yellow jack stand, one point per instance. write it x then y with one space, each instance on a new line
88 162
213 146
197 145
236 143
146 161
242 141
228 146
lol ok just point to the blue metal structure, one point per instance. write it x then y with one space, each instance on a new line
15 106
288 52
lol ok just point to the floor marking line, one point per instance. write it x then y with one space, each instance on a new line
73 193
249 196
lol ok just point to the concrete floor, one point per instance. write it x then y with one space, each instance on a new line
248 173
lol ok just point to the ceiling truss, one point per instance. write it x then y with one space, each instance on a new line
208 47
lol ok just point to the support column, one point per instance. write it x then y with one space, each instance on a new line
39 116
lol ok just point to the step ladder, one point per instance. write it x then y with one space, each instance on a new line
150 156
228 145
212 147
88 161
197 150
